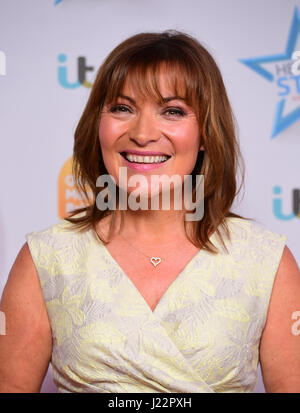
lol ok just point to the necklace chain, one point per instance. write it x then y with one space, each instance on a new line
154 260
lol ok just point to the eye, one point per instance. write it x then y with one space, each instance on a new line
119 109
175 111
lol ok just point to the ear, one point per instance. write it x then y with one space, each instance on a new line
201 148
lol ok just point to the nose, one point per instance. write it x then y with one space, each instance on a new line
144 128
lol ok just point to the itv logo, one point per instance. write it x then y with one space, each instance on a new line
278 208
82 69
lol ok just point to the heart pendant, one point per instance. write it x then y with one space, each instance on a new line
155 261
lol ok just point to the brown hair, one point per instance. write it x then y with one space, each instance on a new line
141 57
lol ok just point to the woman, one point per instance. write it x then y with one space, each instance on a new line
144 300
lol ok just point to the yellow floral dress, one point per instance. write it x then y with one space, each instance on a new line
202 337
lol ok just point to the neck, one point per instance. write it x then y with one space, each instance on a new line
156 226
151 227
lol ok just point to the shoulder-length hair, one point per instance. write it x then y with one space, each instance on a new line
140 57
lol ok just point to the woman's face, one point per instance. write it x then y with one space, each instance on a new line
135 126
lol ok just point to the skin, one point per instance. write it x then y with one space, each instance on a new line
25 350
279 347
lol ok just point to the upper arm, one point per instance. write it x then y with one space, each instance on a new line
26 347
280 340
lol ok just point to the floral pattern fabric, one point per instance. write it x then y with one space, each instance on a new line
202 337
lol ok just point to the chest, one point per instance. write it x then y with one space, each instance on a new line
151 281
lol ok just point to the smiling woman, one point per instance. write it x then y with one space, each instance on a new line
130 300
160 92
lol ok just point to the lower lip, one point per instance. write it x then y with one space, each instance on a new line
143 166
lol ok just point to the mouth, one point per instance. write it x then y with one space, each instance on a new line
145 159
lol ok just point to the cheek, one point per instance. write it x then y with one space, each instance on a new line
103 132
109 130
185 137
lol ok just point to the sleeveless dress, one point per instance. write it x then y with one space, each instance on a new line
202 337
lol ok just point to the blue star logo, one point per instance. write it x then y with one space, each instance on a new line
281 121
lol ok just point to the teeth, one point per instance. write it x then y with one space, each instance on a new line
145 159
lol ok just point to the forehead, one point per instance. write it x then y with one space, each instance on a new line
153 83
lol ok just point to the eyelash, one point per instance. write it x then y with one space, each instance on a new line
179 112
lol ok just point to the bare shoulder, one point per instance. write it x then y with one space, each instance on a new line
25 349
280 342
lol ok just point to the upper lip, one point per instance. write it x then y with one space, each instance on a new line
144 153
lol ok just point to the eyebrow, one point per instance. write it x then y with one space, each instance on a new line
165 100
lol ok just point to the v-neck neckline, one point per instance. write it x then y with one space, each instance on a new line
96 238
